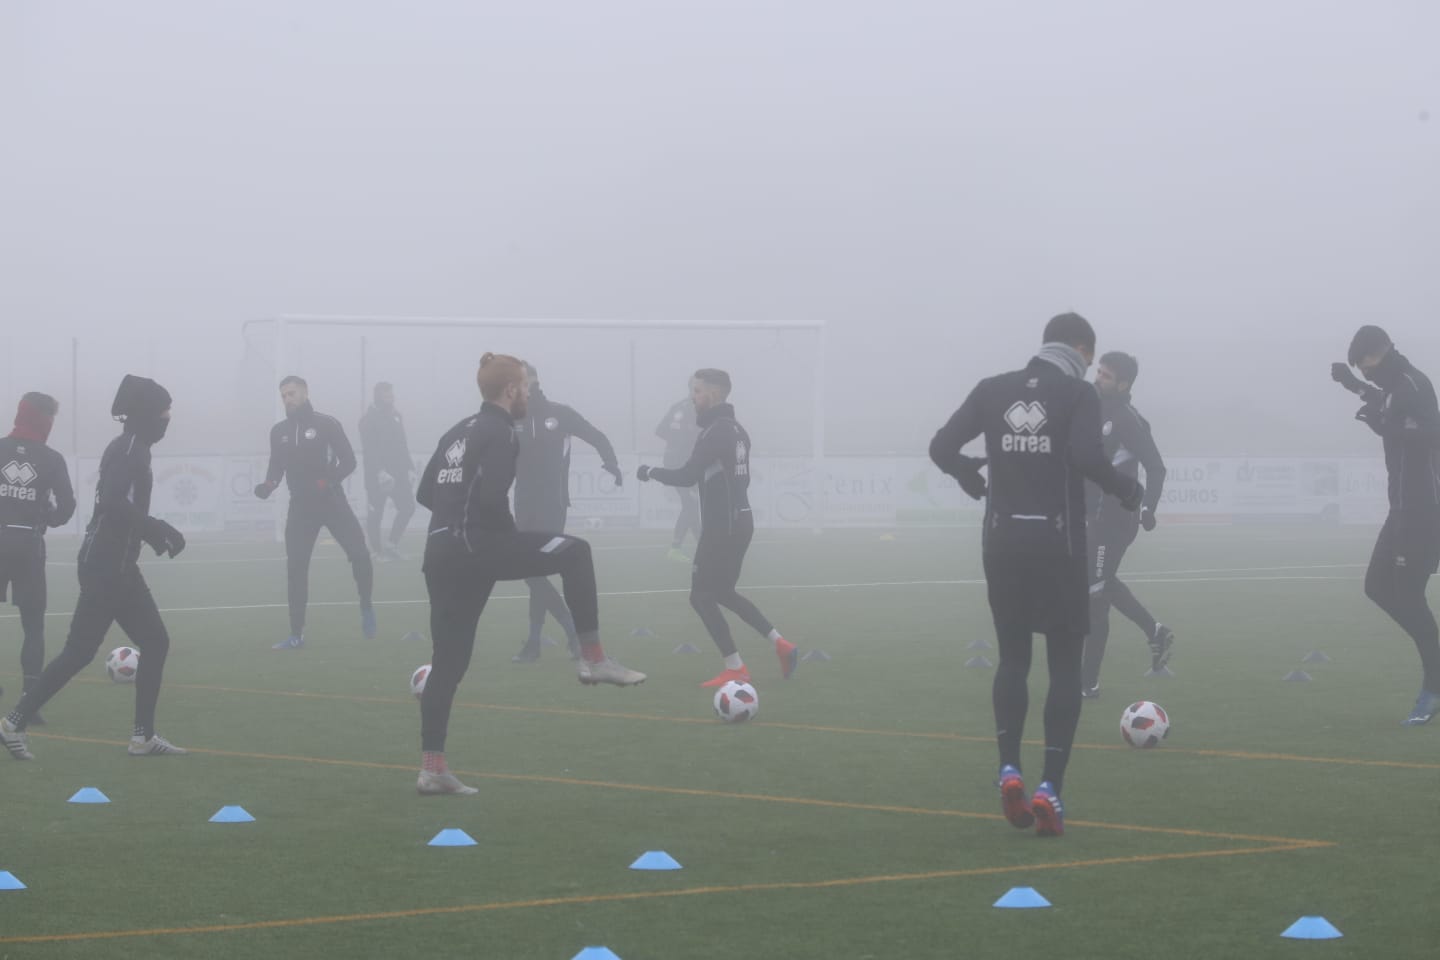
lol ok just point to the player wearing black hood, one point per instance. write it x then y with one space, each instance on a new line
112 589
1401 408
35 495
311 452
542 496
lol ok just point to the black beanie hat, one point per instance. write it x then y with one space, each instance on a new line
139 399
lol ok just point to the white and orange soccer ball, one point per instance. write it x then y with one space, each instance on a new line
1144 724
122 664
417 680
736 702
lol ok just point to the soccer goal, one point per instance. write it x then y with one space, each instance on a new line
620 375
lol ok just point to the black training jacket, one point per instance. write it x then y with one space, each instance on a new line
466 484
35 490
1129 445
122 506
310 450
383 445
1042 438
543 470
720 464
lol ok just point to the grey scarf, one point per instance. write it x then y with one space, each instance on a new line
1066 357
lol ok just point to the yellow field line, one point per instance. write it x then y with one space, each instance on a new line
805 727
713 794
646 895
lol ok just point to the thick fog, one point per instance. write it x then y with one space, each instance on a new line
1226 190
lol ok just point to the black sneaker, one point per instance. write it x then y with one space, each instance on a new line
526 655
1091 693
1160 647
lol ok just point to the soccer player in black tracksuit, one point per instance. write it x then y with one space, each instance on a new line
1112 528
473 544
542 496
35 494
1042 439
386 462
1401 408
679 431
310 451
720 464
112 589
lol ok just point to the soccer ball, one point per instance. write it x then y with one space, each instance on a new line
122 664
417 680
1144 724
736 702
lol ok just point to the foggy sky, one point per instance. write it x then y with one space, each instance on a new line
1226 190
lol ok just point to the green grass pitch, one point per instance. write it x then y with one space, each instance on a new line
856 817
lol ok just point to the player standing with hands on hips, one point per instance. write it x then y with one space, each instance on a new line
311 452
112 589
1041 427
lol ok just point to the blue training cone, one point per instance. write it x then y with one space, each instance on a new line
88 795
452 838
655 860
596 953
232 815
1022 898
1312 928
8 881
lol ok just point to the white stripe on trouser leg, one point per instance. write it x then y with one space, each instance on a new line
553 545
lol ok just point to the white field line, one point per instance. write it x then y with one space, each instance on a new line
871 584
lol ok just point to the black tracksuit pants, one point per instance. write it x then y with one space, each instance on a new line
302 528
1029 595
1406 556
719 555
22 568
1109 539
459 583
121 598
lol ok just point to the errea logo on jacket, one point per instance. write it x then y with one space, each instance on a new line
1026 420
454 463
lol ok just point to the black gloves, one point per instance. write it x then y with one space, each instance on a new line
1135 498
642 474
614 471
968 476
1147 519
162 537
263 490
1342 374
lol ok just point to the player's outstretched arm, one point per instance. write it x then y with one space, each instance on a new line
575 425
708 450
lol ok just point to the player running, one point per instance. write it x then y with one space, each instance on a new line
112 589
1042 439
720 464
1111 528
473 544
1401 408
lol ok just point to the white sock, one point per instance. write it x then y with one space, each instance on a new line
775 635
733 662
